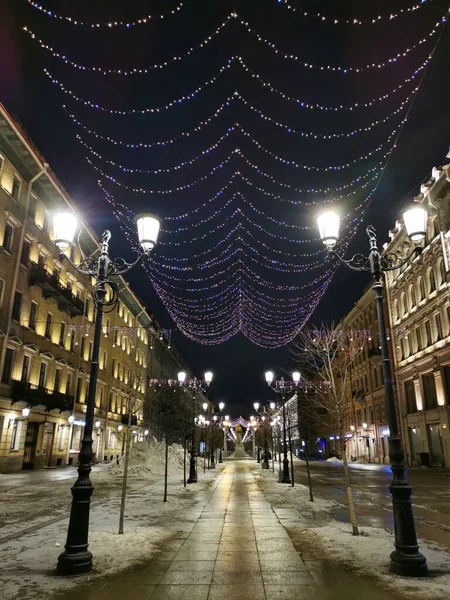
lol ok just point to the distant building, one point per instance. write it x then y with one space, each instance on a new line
47 318
419 309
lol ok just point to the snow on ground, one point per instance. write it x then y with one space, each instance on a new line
334 459
367 554
149 458
29 560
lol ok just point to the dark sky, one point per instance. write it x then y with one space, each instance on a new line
27 93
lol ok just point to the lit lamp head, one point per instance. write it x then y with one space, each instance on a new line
25 412
64 227
272 405
256 405
215 418
329 225
205 406
364 425
208 377
148 230
120 428
296 376
415 220
146 432
97 424
221 406
269 376
181 377
352 428
71 419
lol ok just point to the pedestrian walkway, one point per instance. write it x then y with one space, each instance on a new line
235 547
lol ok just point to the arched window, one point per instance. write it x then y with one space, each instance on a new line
404 304
431 280
435 227
412 296
421 289
396 313
442 274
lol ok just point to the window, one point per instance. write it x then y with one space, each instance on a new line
429 391
41 261
86 308
17 307
25 256
49 325
421 289
15 434
375 378
45 225
61 437
15 188
102 390
440 332
113 367
442 274
91 346
429 340
57 382
418 339
7 367
42 374
62 334
7 237
82 347
72 341
404 304
105 356
110 401
33 313
32 207
410 396
78 392
25 368
2 419
2 286
371 415
432 281
412 297
68 383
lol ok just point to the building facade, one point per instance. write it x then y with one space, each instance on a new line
419 310
47 319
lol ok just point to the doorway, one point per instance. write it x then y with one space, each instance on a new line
29 453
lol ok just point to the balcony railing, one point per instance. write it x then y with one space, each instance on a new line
38 395
52 287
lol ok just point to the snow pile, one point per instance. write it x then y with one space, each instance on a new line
334 459
148 458
368 554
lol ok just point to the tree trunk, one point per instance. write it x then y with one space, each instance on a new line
290 453
308 471
166 470
125 475
351 505
184 461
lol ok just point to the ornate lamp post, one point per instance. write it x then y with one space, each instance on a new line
282 387
195 385
405 559
222 421
76 558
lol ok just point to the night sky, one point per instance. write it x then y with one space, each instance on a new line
29 95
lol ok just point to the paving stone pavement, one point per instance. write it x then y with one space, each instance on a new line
233 546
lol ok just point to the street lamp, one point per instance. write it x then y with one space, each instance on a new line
195 384
76 558
282 387
405 559
221 406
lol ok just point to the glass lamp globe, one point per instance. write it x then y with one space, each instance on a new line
329 225
296 376
205 406
221 406
269 376
256 405
415 220
148 230
64 226
181 377
208 377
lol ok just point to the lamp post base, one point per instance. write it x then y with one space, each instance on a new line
74 564
408 565
220 457
286 477
192 470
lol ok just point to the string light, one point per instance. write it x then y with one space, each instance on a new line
108 24
267 85
234 17
353 20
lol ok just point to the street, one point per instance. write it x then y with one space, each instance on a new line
431 495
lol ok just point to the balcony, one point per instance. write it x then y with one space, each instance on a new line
52 287
37 395
374 354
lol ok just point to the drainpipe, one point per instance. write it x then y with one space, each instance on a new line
17 265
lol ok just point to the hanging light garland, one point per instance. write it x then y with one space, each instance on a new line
108 24
353 20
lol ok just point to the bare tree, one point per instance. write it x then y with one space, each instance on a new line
327 355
